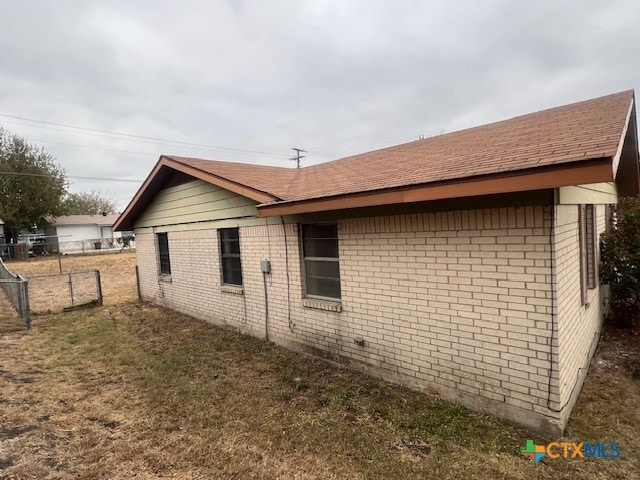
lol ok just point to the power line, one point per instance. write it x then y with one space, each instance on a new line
93 147
77 177
111 137
141 137
159 141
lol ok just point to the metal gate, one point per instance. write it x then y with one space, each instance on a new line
16 289
64 291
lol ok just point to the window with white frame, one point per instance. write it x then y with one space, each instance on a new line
230 263
321 260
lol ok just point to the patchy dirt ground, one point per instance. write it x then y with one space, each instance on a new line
138 391
619 350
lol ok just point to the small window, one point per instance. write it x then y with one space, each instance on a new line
587 225
163 253
321 262
230 256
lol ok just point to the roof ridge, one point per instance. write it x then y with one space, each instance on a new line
179 158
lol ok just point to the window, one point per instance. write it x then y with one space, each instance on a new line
163 253
587 225
321 262
230 256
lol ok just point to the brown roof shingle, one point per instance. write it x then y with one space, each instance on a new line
529 146
580 131
274 181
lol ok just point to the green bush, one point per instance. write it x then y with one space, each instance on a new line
620 263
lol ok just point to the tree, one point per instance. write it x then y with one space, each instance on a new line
620 263
32 185
93 203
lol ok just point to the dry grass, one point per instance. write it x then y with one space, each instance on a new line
117 271
9 319
138 391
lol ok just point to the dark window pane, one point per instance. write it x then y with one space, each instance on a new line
229 234
230 246
231 271
321 247
163 253
230 256
320 242
230 240
322 278
320 230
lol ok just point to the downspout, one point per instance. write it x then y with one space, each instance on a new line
286 260
554 298
266 307
264 281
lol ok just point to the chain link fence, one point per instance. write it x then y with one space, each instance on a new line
94 245
53 246
64 291
16 290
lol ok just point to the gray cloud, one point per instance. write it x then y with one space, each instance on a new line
335 77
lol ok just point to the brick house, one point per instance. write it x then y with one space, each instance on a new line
463 265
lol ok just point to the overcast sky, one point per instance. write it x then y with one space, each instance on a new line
247 80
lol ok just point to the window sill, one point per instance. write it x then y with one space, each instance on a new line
234 289
318 304
164 277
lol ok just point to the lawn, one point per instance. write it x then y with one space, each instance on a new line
137 391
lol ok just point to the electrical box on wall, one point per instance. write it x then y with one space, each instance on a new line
265 266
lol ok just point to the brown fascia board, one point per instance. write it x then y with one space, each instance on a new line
592 171
135 208
153 183
626 164
629 121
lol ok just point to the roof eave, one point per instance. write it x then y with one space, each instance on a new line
588 171
151 185
235 187
626 164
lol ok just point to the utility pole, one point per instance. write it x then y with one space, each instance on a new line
298 157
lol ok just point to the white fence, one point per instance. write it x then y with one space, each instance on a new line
94 245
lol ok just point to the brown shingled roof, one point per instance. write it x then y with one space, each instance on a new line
584 130
274 181
573 144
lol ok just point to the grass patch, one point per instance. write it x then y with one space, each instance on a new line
138 388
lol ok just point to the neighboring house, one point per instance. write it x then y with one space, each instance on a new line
464 265
81 233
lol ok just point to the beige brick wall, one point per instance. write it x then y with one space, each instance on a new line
454 303
578 326
457 300
195 285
